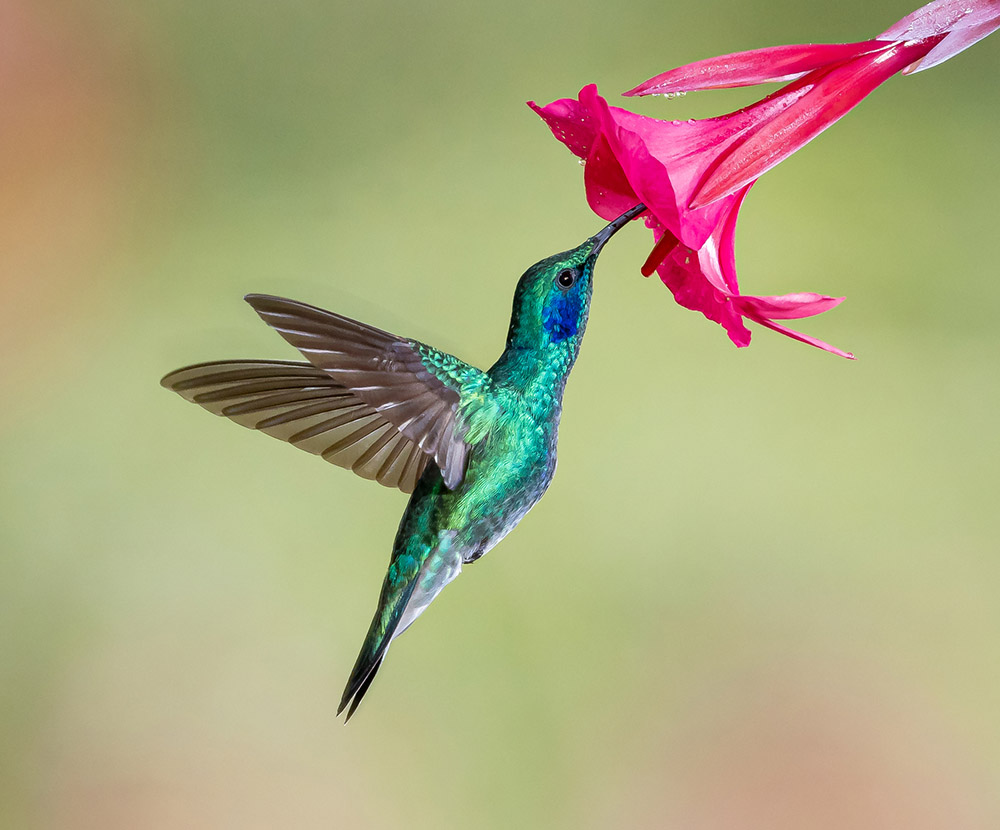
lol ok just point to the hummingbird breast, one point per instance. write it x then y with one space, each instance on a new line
507 473
505 480
443 529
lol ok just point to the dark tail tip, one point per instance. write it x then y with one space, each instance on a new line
356 689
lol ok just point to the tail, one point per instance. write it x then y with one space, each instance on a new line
361 678
383 628
416 575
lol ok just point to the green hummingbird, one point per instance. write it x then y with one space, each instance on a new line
476 449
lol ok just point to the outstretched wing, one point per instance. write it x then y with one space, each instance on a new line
426 394
305 406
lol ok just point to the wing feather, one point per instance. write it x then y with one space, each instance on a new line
306 407
390 374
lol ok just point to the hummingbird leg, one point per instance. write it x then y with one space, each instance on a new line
469 558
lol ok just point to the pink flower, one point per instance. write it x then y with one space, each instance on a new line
693 175
632 158
828 80
760 136
705 280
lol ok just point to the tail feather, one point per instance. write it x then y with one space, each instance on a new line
354 697
380 634
416 575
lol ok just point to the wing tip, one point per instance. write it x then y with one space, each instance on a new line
264 303
254 297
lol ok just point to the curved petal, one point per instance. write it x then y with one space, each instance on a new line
804 338
756 66
662 162
942 16
684 273
786 306
609 192
821 98
570 122
705 279
953 43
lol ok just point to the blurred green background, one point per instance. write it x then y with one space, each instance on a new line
762 591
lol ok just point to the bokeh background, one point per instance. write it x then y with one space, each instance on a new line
762 591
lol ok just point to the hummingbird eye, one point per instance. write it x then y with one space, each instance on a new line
566 278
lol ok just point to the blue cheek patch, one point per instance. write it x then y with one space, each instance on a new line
561 317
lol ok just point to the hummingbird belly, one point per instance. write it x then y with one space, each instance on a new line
444 529
443 564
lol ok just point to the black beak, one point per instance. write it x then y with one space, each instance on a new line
616 225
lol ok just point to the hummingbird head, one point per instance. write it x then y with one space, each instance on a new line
552 300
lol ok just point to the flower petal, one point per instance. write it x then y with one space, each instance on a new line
634 158
804 338
571 122
609 192
821 98
963 22
705 280
683 272
953 43
662 162
942 16
725 239
786 306
776 63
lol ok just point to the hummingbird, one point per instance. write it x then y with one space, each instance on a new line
475 449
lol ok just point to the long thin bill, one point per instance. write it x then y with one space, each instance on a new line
603 235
